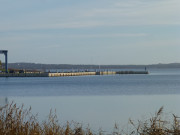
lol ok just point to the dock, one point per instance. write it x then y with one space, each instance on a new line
61 74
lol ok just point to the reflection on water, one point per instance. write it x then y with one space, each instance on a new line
3 101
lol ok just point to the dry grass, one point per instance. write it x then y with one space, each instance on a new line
157 126
19 121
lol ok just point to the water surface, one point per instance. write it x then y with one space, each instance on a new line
98 100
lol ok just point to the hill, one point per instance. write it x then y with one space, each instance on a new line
36 66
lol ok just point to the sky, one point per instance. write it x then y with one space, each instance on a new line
117 32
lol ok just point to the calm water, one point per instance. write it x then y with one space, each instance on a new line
98 100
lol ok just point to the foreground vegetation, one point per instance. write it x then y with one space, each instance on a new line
19 121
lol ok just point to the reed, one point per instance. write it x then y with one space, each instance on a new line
157 125
19 121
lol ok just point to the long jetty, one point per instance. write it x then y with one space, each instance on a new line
61 74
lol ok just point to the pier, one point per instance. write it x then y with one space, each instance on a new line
61 74
34 73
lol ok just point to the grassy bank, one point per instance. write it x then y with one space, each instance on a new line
19 121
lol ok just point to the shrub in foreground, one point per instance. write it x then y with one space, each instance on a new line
19 121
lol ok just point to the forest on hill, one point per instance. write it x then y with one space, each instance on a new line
36 66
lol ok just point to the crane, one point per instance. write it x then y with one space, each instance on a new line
5 52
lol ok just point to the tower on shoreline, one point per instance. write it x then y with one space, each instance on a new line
5 52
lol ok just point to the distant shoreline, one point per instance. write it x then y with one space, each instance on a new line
35 66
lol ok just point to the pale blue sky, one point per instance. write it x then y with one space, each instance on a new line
90 31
